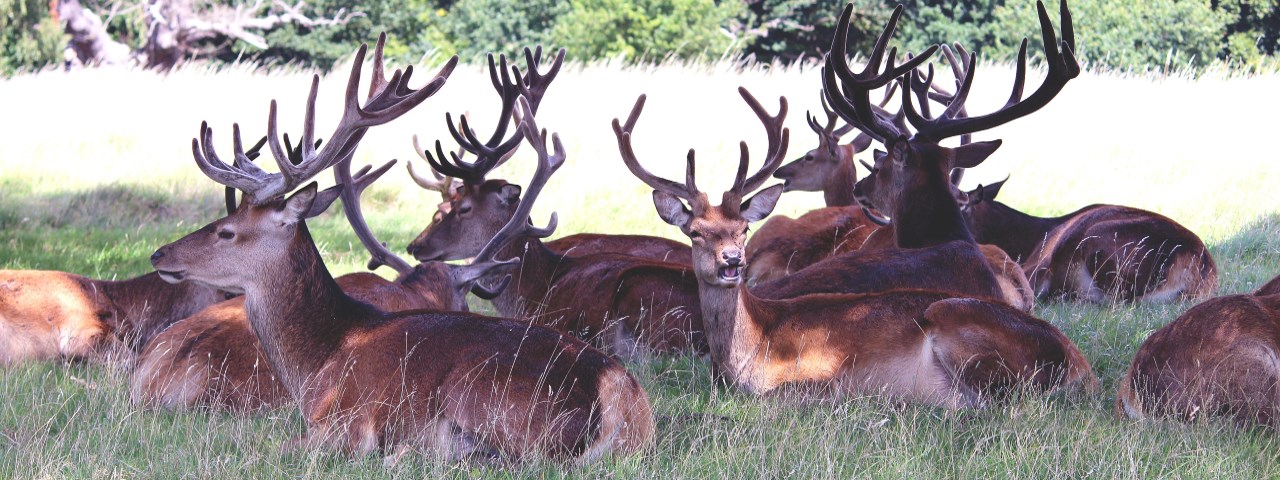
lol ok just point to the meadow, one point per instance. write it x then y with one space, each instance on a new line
96 172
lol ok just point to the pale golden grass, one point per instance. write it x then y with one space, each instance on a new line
1196 150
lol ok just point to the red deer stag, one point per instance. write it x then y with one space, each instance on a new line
213 358
621 301
450 382
934 250
1097 253
920 346
1217 359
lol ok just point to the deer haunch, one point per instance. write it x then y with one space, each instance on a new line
50 315
1220 358
1108 251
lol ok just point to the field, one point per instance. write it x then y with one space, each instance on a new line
96 172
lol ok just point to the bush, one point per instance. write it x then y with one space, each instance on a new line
477 27
789 30
648 29
29 37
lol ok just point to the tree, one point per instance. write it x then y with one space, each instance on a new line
30 36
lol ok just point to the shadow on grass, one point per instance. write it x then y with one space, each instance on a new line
1250 257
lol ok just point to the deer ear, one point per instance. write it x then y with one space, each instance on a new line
969 156
298 205
671 209
510 194
761 204
324 199
989 192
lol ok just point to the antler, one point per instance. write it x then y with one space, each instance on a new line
688 191
1063 66
388 99
520 224
352 189
510 84
779 137
437 182
849 96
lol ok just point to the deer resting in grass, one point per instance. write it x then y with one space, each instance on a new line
450 382
920 346
1097 253
1217 359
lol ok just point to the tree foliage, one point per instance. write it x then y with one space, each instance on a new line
29 37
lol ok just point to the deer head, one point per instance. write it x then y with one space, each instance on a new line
480 207
227 253
718 232
915 162
814 171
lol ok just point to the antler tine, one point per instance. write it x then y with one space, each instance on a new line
229 192
352 188
871 77
779 137
533 85
1062 67
437 182
388 99
519 225
624 133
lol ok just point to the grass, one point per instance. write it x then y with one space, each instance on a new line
94 183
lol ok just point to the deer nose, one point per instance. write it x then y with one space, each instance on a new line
155 257
732 258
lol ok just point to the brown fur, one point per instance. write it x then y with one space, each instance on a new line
643 246
926 347
586 293
48 315
1220 358
1108 251
453 383
784 245
212 359
1270 288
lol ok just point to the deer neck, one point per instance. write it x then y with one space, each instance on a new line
299 314
531 282
838 190
143 306
738 327
1017 233
926 214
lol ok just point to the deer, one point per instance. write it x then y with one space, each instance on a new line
598 287
365 380
212 359
1217 359
912 345
933 248
1097 253
52 315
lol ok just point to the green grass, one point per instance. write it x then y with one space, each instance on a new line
95 193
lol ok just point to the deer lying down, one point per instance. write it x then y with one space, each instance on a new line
1217 359
926 347
1097 253
449 382
48 315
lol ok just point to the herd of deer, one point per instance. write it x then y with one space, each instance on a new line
903 286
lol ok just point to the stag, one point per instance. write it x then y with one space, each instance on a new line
596 287
921 346
1217 359
451 382
1097 253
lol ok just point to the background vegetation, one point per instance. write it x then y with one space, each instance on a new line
96 192
1161 35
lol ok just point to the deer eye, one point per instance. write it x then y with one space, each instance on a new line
695 234
226 234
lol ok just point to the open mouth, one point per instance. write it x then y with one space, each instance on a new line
171 276
731 273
